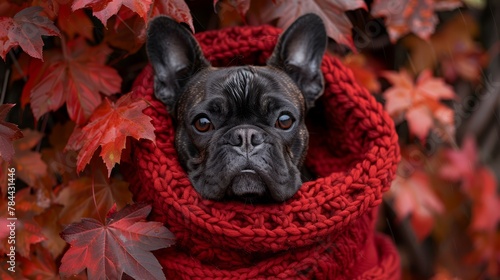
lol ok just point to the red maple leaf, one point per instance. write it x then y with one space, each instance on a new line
109 127
461 163
121 245
104 9
338 26
76 79
8 133
482 188
26 29
414 197
417 16
420 103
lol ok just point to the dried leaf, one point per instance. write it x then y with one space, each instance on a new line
121 245
26 29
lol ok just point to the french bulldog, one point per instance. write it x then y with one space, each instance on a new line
239 131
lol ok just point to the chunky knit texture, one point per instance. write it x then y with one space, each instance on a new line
325 231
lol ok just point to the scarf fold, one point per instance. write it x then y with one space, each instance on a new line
325 231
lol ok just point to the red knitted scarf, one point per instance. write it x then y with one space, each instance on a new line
325 231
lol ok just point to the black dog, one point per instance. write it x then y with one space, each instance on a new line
240 131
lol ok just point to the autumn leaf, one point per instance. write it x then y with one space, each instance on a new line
362 71
6 274
240 6
121 245
417 16
75 79
466 61
109 127
460 163
28 231
75 22
8 133
29 164
486 252
453 48
59 162
176 9
51 227
127 30
104 9
92 197
477 182
26 29
482 188
338 26
414 198
420 103
40 265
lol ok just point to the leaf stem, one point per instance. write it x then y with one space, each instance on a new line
18 66
4 85
92 173
64 48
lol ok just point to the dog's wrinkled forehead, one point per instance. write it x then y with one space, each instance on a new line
243 88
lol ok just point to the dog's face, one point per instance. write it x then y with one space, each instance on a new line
240 131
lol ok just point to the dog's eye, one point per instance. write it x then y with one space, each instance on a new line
284 122
203 124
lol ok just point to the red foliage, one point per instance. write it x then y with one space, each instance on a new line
80 67
8 133
121 245
109 127
75 78
419 102
25 29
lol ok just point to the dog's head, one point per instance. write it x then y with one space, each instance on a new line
240 131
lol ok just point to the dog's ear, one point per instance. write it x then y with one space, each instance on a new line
299 52
175 56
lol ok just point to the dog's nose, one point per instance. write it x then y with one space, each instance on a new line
246 139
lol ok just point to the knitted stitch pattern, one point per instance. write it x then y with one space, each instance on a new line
325 231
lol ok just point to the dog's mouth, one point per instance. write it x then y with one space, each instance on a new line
248 186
